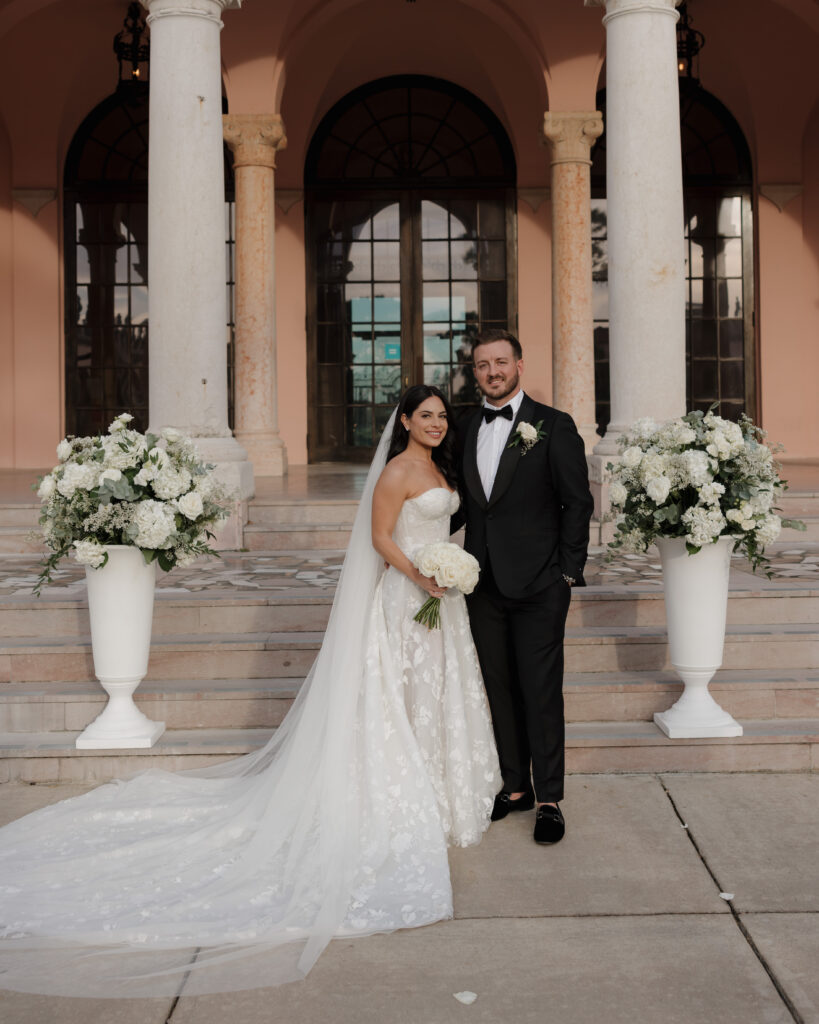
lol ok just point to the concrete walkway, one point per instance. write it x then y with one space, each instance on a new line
621 923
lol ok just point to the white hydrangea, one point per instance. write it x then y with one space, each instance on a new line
618 494
110 474
77 476
703 524
153 524
711 493
63 450
48 485
676 434
653 465
768 530
89 552
694 468
170 483
658 489
644 429
190 505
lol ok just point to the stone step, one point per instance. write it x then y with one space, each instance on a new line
598 747
27 515
180 703
263 512
810 535
263 703
174 614
60 613
290 536
18 540
794 503
273 654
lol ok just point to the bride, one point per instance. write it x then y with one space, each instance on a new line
237 876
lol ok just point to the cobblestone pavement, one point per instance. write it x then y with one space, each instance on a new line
792 567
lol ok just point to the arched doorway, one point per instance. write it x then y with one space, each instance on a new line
106 264
719 260
105 188
410 226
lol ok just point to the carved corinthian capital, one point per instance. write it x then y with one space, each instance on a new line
254 139
572 135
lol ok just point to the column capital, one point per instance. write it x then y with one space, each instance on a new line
614 8
254 139
571 135
210 10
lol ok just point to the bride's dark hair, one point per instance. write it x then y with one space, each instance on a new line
444 455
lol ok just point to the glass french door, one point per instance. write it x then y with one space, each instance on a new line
403 280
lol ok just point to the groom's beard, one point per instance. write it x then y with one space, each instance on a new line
510 386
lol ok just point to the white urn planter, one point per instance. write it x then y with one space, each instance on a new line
120 605
696 605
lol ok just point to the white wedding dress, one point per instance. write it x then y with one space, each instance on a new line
237 876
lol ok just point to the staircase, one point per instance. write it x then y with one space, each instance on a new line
234 638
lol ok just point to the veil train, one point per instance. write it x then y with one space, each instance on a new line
238 875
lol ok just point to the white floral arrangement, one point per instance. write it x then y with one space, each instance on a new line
149 491
450 566
699 477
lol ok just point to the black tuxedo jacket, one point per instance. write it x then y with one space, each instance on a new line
535 524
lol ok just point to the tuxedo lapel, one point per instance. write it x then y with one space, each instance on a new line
510 456
472 477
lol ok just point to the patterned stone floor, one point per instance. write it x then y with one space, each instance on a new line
260 572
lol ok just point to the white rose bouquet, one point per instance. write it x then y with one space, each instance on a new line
699 477
451 566
128 488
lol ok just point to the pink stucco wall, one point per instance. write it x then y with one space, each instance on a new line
298 59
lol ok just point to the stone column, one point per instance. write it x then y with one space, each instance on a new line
570 137
645 214
186 234
254 140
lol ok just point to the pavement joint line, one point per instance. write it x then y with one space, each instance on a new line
182 985
783 995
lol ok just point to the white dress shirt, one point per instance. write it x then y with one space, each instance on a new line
492 439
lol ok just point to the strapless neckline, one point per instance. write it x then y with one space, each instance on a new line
429 491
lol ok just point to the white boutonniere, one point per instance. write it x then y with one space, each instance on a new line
527 436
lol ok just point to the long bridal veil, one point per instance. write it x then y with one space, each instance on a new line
237 875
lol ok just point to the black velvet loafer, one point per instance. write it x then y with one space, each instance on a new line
504 804
549 825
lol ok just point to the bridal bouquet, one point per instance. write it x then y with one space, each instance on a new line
451 566
128 488
699 477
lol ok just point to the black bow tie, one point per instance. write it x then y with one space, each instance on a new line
491 414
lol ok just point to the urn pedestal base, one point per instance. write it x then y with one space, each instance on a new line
120 606
696 601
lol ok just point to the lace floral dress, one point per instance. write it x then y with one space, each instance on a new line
238 875
438 675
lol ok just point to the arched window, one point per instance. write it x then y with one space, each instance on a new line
409 186
717 178
106 264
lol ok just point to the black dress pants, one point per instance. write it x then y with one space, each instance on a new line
520 649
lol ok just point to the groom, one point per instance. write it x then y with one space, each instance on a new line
527 506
